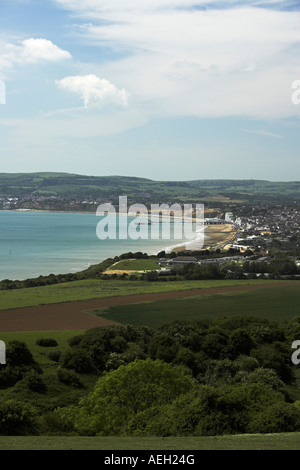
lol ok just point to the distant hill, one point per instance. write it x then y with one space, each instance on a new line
143 190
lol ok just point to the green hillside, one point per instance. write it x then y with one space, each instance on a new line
142 189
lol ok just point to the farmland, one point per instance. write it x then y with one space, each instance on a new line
78 314
275 304
163 305
133 265
98 288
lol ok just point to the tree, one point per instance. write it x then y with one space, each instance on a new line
17 418
18 354
277 417
240 343
276 356
163 346
208 411
79 360
121 393
268 377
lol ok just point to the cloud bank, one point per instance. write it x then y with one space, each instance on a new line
206 59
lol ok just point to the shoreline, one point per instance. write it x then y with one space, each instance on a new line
214 236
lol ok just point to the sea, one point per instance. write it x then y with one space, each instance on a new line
34 243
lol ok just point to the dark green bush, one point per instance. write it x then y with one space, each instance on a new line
51 423
17 418
9 376
79 360
75 340
69 377
18 354
47 342
34 382
276 418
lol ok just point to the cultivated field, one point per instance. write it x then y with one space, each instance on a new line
132 266
275 303
98 288
77 315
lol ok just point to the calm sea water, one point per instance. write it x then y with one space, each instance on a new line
40 243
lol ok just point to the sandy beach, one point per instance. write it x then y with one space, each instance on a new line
216 236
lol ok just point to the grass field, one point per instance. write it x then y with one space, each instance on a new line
275 304
98 288
283 441
40 353
134 265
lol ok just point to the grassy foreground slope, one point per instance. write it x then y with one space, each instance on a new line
282 441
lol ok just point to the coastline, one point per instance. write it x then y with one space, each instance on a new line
19 263
215 236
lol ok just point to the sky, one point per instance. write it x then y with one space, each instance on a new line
160 89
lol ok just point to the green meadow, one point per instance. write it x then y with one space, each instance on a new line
275 304
281 441
135 265
97 288
40 354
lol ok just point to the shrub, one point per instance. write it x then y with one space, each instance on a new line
268 377
69 377
75 340
18 354
209 411
34 382
17 418
53 423
278 417
79 360
47 342
240 343
10 375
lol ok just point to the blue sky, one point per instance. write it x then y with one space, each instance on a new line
162 89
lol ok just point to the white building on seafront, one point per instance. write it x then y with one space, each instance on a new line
229 217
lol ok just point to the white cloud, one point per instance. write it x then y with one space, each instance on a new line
35 50
239 60
263 133
31 50
95 90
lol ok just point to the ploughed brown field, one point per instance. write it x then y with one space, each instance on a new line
75 316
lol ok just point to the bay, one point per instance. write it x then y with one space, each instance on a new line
34 243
